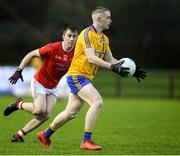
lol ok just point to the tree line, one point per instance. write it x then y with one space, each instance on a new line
147 31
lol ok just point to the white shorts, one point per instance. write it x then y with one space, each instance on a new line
37 88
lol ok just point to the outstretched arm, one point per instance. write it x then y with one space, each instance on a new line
18 73
28 58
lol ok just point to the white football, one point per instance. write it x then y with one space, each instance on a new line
129 63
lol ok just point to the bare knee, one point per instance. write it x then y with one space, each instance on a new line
39 112
98 103
46 116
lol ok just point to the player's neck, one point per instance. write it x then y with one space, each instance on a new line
65 48
97 29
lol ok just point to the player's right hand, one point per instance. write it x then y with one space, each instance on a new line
117 68
139 74
17 74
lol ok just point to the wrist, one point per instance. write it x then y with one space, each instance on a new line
19 69
110 66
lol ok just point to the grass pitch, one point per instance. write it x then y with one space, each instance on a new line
125 126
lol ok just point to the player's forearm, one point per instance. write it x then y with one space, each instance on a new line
115 60
112 61
109 58
26 60
95 60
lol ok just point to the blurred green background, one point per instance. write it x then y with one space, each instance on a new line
158 84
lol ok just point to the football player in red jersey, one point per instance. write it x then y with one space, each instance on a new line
56 61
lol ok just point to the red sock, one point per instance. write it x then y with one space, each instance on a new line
19 104
21 133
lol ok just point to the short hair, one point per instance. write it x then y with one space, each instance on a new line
99 9
69 27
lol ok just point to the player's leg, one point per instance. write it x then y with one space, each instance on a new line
36 88
19 104
51 100
43 106
72 108
39 109
83 87
40 105
89 94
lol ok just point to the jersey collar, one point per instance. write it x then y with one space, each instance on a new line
93 27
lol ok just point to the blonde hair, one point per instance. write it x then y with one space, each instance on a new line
98 10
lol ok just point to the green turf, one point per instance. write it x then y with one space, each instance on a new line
125 126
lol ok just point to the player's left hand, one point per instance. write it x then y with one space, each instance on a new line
117 68
14 78
139 74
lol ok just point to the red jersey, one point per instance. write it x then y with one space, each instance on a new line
56 63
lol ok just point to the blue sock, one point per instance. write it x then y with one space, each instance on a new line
87 136
48 132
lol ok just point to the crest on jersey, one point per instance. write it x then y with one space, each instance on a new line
58 57
102 40
65 57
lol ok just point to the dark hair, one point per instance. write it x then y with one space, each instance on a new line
69 27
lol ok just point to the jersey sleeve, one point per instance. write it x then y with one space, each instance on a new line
46 50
